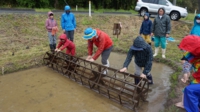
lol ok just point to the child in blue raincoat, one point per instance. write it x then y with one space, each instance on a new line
196 28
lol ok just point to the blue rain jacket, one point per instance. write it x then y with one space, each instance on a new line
68 21
192 98
196 28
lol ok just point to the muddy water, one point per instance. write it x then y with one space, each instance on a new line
44 90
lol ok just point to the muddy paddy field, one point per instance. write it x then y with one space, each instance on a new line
24 41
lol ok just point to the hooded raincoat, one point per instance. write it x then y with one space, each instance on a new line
196 28
143 56
145 28
66 44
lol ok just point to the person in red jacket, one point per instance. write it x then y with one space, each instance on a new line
65 43
102 41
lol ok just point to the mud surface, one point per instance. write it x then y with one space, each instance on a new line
44 90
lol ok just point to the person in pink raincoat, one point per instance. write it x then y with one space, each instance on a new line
51 26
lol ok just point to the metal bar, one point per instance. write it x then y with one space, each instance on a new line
89 74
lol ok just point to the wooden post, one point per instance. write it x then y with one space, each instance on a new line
76 7
2 70
89 8
117 29
195 12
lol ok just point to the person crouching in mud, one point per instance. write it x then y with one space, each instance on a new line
143 58
66 43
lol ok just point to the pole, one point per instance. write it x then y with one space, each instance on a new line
174 2
2 70
89 8
76 7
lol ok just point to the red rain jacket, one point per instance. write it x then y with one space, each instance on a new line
102 41
67 44
191 43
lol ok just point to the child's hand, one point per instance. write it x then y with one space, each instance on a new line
143 76
57 50
91 60
123 69
89 57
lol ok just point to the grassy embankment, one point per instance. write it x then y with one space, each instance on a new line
24 41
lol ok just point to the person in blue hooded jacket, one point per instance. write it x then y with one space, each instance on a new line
196 28
145 29
68 23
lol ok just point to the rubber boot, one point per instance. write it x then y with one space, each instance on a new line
137 81
51 48
149 77
107 65
150 44
156 52
163 53
54 46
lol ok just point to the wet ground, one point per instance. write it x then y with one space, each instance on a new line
44 90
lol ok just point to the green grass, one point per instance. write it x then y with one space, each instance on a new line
190 17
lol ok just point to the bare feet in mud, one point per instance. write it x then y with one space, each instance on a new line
180 105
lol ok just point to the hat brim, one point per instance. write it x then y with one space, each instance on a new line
91 35
136 48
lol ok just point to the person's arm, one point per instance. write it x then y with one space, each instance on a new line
100 48
148 65
168 24
90 47
153 27
47 25
59 45
74 21
66 44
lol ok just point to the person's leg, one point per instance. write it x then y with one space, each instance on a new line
148 39
163 46
180 104
68 51
73 51
67 34
54 41
144 37
72 35
50 41
104 57
138 71
157 44
184 79
150 78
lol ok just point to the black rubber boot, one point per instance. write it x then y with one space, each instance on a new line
54 46
137 81
149 77
51 48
